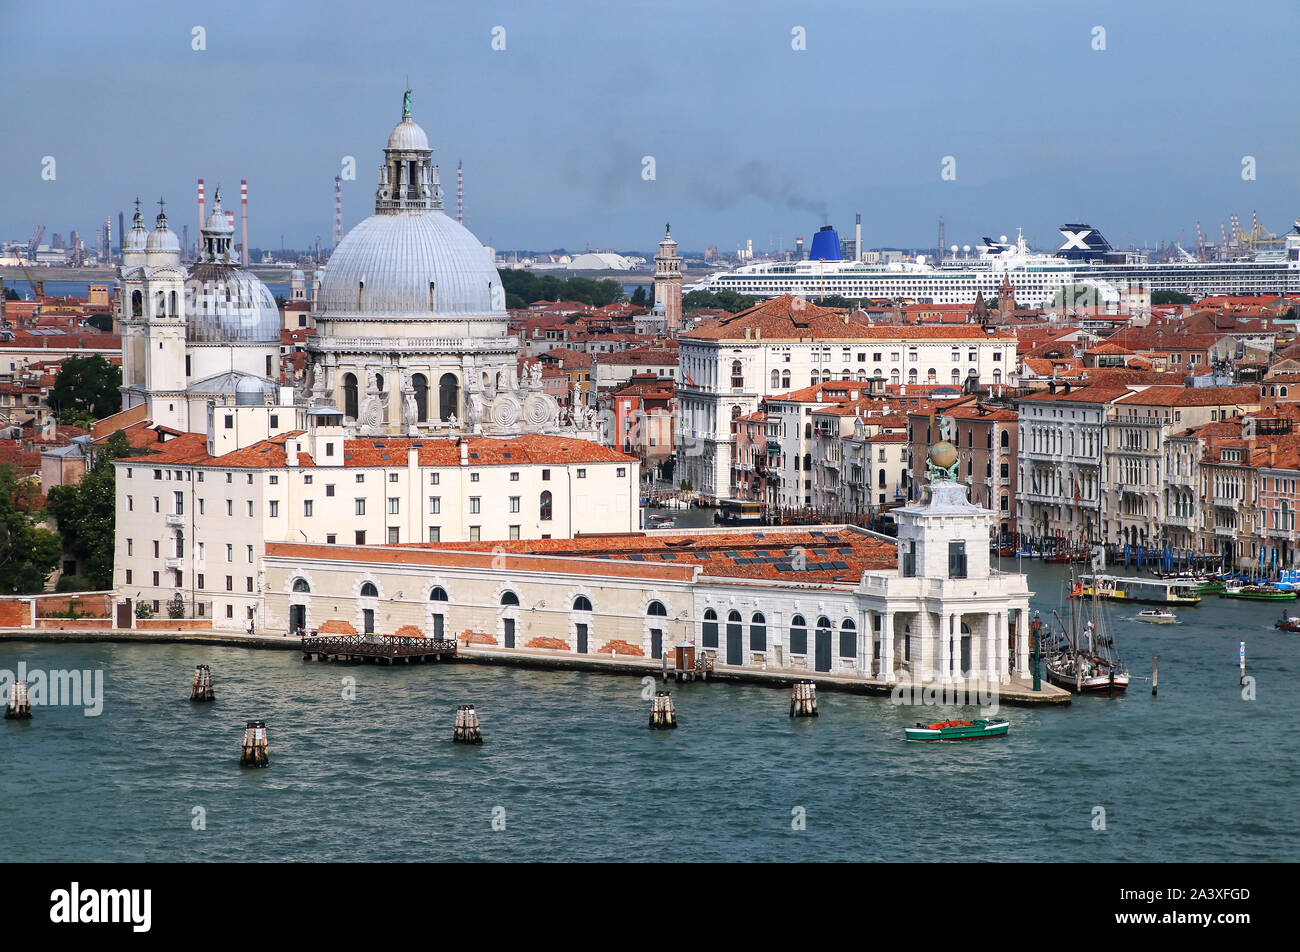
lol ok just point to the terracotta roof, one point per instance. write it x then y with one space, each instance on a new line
1193 397
791 318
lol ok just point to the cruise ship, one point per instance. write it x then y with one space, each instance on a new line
1084 258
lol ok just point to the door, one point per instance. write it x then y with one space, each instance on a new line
582 638
656 643
437 627
735 646
965 655
297 619
124 614
822 662
368 616
510 632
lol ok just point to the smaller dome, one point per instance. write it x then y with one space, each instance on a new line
943 455
248 392
407 136
218 221
163 239
136 240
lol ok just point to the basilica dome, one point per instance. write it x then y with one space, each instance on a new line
418 262
409 260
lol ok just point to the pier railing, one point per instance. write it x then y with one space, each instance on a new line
375 646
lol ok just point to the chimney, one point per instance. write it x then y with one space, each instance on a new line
291 453
243 206
200 206
464 451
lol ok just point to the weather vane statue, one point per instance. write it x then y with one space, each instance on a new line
406 105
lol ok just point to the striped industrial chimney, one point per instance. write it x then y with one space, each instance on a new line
200 206
243 211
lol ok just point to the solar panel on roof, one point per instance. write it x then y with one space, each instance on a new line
637 558
844 551
840 565
379 446
668 557
383 456
506 454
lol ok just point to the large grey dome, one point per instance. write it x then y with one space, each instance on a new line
397 256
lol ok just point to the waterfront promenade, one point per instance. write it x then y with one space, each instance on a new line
1018 693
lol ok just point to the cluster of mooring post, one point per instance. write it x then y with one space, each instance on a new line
255 751
662 715
20 703
202 689
467 730
803 700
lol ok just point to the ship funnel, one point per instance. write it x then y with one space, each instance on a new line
825 245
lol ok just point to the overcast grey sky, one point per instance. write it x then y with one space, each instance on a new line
751 138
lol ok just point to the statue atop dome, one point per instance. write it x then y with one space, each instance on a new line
406 105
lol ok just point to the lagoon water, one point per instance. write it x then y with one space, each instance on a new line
1195 774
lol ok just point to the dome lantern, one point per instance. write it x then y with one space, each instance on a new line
408 179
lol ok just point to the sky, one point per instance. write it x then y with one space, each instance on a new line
750 138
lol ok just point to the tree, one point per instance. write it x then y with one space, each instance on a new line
639 296
1169 297
87 385
85 513
725 299
103 322
28 552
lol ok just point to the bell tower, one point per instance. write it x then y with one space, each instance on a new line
163 305
668 283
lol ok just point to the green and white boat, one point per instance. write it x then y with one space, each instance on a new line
1259 593
957 730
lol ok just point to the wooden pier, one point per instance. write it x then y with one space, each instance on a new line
375 649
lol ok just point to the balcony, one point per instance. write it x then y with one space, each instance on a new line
174 564
174 520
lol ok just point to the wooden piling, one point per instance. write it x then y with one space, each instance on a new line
467 728
1241 657
19 706
803 699
255 751
1155 674
201 690
662 714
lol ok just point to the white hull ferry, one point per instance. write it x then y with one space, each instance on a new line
1084 259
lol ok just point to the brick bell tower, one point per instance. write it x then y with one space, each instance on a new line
668 283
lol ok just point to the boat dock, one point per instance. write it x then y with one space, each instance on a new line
375 649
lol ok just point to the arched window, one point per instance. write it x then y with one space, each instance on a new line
710 628
848 639
785 379
420 384
737 376
997 376
657 609
758 632
815 378
846 374
137 304
776 379
368 590
300 585
911 375
1006 439
931 376
735 412
862 376
956 376
582 604
448 397
439 594
350 402
798 635
180 545
807 462
509 598
545 506
893 378
172 309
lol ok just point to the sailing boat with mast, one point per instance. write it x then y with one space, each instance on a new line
1083 658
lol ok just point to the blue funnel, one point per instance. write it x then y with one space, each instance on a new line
826 245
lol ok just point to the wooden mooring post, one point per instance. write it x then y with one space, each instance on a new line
255 752
662 714
803 699
1155 674
19 706
1241 658
467 729
202 687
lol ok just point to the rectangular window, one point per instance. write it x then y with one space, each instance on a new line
275 508
179 500
230 422
957 558
361 536
155 548
249 580
360 507
128 576
156 507
130 547
130 504
329 489
582 474
202 507
514 503
200 580
250 555
329 449
275 480
394 505
250 508
275 425
155 578
361 477
306 508
473 533
473 477
331 538
514 532
435 505
230 611
514 477
392 535
546 475
230 583
392 477
474 503
435 534
622 471
909 559
230 552
434 479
